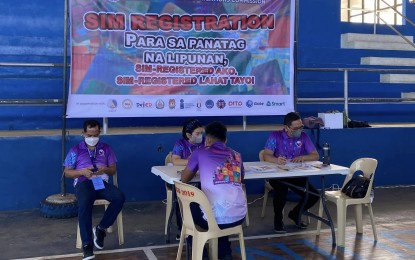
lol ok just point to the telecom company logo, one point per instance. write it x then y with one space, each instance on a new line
112 103
249 103
209 104
143 104
127 103
235 104
159 104
256 103
221 104
172 103
275 104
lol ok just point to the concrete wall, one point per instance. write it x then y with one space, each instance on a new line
31 168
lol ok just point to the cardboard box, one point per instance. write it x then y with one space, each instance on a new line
332 120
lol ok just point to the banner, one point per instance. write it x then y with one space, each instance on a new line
141 58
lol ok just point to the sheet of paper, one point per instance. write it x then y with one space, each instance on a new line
262 168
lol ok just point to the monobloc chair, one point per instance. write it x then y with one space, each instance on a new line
188 194
368 167
169 193
109 230
267 187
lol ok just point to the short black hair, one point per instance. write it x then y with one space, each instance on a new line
189 126
91 123
290 117
217 130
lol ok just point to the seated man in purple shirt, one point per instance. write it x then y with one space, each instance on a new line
89 163
221 174
192 139
290 145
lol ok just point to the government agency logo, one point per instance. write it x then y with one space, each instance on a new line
112 103
209 104
249 103
172 103
221 104
127 104
159 104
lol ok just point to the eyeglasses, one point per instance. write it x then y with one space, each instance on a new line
296 128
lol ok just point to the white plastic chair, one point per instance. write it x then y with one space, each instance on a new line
368 167
120 227
188 194
267 187
169 194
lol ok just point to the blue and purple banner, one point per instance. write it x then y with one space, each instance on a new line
142 58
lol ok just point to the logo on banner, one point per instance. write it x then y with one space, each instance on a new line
172 103
112 103
249 103
159 104
258 103
235 104
209 104
199 104
143 104
221 103
127 104
275 104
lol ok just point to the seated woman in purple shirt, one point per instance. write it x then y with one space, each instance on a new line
192 134
192 139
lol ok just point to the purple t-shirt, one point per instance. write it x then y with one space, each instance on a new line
184 148
283 145
79 157
221 171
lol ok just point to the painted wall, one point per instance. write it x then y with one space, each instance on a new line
31 168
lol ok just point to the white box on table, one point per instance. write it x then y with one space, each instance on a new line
332 120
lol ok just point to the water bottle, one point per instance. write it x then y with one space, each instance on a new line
326 154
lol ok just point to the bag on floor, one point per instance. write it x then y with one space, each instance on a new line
357 187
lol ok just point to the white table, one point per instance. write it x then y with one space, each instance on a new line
266 170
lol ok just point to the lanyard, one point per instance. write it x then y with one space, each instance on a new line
92 156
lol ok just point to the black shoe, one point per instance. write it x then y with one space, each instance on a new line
226 257
279 229
299 224
178 237
88 252
99 235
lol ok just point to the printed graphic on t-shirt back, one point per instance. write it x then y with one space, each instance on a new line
229 172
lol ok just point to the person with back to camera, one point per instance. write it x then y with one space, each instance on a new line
290 145
192 139
90 163
221 175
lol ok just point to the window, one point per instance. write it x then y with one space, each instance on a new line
363 11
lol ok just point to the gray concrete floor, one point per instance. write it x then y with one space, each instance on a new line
25 234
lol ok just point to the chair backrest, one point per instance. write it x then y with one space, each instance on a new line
367 166
261 155
168 159
187 194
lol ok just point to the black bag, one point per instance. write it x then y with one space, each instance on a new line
357 187
314 123
357 124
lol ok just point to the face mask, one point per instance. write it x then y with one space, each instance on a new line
296 133
198 139
91 141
